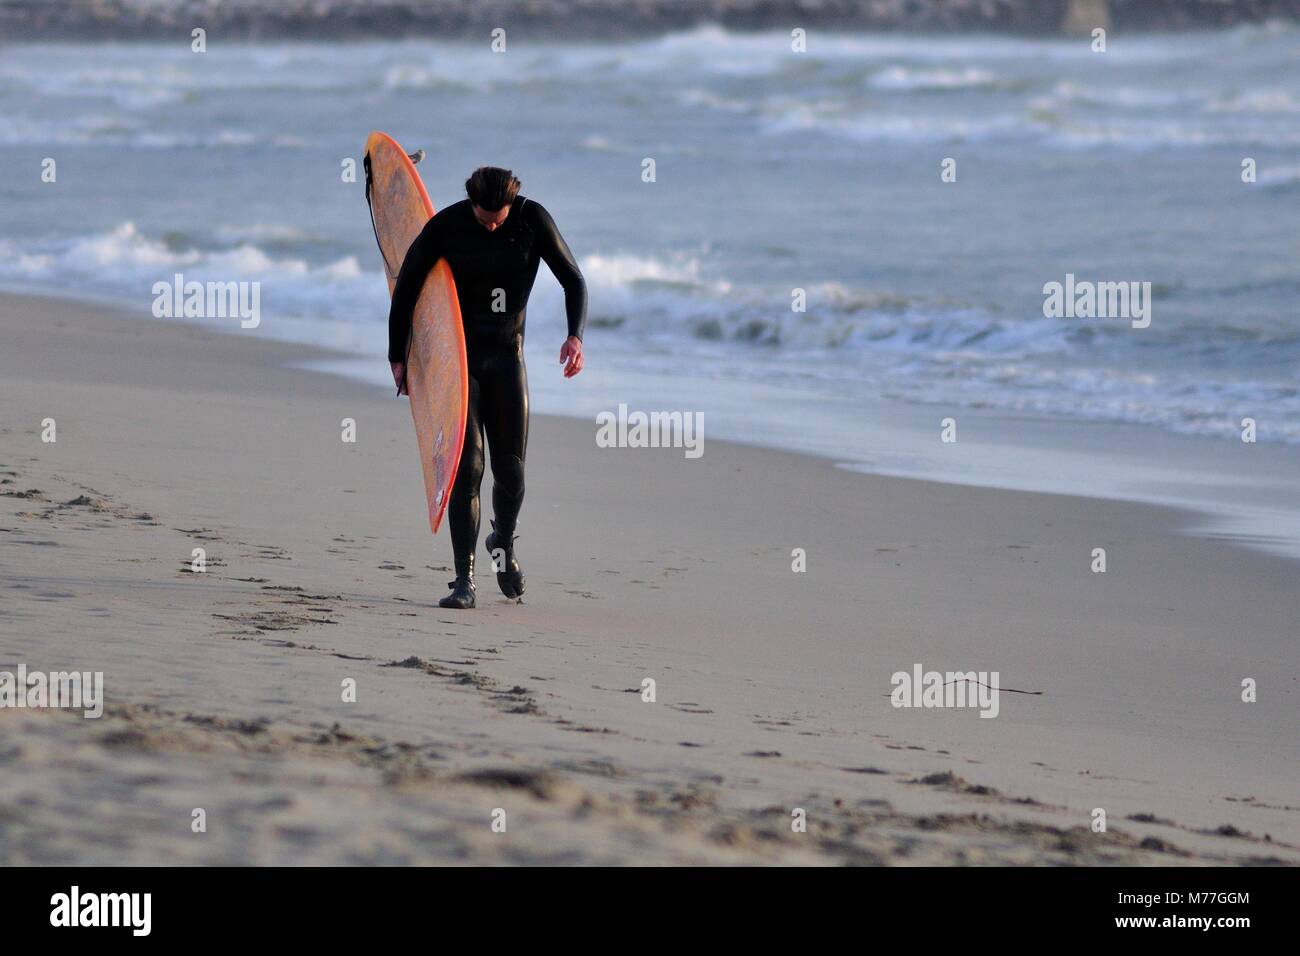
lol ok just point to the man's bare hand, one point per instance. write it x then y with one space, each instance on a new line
571 356
399 377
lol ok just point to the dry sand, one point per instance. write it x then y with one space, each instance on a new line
224 687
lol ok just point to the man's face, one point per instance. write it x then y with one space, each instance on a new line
490 220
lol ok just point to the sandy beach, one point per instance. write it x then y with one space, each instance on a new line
1121 691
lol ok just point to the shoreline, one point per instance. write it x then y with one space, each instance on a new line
773 688
1104 460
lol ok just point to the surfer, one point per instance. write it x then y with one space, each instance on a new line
493 240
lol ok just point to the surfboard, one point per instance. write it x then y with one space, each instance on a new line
436 374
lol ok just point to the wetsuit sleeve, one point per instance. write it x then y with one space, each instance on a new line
555 253
425 251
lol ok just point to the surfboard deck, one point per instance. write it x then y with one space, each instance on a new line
437 377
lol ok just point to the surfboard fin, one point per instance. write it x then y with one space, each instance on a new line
415 157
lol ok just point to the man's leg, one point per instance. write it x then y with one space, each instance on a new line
505 423
463 508
504 412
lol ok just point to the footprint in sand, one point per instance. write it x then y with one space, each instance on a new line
187 565
689 707
33 493
199 534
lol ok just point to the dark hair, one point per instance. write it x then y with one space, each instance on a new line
491 187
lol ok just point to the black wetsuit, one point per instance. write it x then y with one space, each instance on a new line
494 273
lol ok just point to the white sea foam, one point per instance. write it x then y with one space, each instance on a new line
909 79
1276 177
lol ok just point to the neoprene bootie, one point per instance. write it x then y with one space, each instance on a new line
509 576
462 589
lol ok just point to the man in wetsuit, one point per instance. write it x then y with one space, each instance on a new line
493 242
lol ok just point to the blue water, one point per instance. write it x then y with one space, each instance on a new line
775 171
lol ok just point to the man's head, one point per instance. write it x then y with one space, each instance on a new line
491 190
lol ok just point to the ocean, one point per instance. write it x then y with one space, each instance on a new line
774 171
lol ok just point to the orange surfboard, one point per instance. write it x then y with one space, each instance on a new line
436 374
